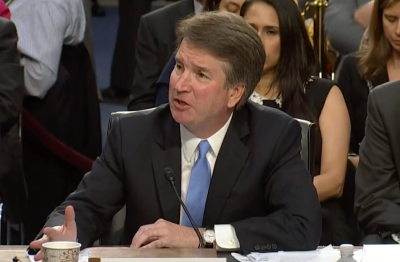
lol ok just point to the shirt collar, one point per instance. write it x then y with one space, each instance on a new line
190 142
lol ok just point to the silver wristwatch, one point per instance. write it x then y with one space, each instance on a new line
209 238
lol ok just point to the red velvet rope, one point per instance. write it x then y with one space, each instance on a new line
56 146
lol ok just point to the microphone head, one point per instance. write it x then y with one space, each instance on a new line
169 174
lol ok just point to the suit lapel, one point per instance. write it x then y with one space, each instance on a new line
167 153
230 161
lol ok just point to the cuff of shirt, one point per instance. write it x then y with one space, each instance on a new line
225 238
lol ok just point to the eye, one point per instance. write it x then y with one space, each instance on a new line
271 31
391 19
178 66
201 75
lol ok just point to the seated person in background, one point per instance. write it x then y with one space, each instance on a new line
287 84
375 64
377 202
345 22
156 44
232 167
12 185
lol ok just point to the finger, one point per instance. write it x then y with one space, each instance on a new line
154 244
147 242
69 217
39 255
51 233
145 237
37 244
141 230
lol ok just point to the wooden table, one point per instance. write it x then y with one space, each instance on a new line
7 253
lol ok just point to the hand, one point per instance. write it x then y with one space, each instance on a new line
363 14
165 234
66 232
355 160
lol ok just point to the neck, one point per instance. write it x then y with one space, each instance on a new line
203 131
264 87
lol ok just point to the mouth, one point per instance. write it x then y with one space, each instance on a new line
180 104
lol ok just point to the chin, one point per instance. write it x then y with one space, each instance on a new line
182 118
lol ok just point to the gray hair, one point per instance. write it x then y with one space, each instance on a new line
231 39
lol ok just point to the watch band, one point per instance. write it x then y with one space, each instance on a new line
209 244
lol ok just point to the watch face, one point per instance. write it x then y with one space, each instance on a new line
209 236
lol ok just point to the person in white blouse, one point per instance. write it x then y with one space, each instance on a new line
235 164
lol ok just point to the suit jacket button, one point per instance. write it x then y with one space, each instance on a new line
274 246
257 248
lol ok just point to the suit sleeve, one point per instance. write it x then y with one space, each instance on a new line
296 223
342 30
11 76
100 195
377 198
163 82
147 70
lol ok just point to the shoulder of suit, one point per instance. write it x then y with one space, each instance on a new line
386 92
168 11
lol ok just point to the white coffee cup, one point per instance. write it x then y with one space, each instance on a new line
61 251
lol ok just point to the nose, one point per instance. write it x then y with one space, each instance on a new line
397 32
184 82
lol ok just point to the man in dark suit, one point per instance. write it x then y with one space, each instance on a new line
236 165
155 45
12 183
377 202
123 62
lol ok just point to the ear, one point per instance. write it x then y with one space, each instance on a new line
235 94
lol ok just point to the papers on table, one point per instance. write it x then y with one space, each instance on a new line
327 254
386 253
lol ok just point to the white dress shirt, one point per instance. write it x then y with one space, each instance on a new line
226 238
43 28
198 7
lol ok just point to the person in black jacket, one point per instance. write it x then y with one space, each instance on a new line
12 183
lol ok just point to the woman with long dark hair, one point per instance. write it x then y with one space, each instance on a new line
287 84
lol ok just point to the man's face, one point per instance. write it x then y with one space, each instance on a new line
197 95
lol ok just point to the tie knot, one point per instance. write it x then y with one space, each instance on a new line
204 147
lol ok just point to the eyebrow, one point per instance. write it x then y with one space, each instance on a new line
198 68
266 26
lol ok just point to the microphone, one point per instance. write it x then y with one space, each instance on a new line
169 175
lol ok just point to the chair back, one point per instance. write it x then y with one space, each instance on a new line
308 133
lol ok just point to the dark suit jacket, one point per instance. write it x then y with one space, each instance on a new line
260 184
355 91
162 85
155 45
12 185
377 202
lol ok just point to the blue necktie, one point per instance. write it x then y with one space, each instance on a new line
199 183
